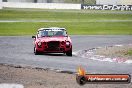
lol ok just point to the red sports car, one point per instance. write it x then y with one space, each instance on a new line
52 40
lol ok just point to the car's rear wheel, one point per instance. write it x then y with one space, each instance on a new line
69 53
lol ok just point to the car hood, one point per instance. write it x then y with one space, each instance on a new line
47 39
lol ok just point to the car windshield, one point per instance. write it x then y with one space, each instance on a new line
50 32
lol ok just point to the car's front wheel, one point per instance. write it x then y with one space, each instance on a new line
36 52
69 53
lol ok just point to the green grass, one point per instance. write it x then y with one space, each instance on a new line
81 28
82 22
129 52
65 15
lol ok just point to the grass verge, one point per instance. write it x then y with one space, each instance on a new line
76 28
79 22
129 53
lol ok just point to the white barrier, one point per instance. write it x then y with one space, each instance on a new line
41 5
1 4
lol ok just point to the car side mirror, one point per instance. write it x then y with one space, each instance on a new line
33 37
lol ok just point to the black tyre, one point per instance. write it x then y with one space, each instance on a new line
69 53
36 52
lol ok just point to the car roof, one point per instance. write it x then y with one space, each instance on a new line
52 28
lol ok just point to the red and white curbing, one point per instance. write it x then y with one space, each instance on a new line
90 55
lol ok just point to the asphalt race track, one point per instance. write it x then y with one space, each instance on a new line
18 50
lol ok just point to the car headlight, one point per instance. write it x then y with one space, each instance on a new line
67 43
39 43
